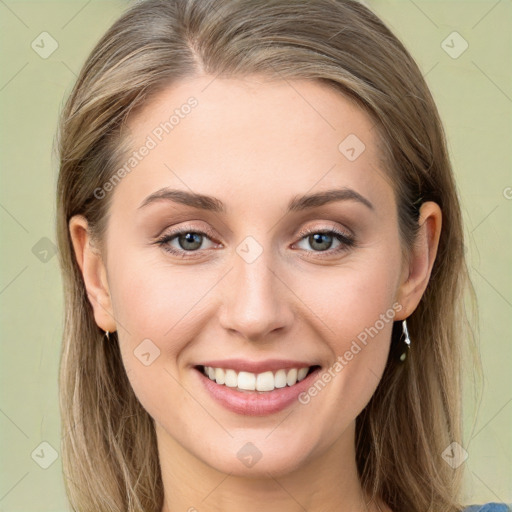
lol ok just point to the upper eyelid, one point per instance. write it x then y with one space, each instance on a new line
210 233
186 229
327 228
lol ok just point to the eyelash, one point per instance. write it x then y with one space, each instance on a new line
347 242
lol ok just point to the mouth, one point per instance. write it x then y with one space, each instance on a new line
263 382
256 394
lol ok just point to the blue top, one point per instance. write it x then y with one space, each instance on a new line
489 507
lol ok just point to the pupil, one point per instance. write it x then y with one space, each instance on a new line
317 238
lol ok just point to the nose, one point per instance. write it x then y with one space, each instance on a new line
256 300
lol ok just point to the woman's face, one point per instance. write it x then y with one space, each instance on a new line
246 289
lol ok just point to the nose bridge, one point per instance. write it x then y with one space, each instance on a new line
254 301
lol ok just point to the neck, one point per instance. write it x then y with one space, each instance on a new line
329 482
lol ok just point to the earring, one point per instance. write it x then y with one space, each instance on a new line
107 334
406 341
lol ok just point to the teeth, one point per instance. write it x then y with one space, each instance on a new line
220 375
231 379
246 381
280 379
291 377
302 373
266 381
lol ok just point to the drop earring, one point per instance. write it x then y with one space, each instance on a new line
107 334
405 342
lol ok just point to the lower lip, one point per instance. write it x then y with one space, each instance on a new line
255 403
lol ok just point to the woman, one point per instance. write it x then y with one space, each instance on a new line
262 250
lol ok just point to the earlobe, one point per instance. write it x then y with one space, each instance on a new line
93 271
422 257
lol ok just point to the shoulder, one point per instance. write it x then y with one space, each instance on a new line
489 507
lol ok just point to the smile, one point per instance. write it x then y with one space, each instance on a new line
255 393
248 381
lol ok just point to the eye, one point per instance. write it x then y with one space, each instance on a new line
321 240
184 241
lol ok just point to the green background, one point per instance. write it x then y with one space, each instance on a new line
474 95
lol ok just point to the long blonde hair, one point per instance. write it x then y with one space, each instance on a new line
110 457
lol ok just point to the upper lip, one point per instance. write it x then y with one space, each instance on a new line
244 365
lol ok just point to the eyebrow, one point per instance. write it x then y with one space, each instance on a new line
296 204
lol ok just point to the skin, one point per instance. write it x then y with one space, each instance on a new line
254 145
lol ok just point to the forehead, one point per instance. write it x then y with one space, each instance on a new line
259 106
252 137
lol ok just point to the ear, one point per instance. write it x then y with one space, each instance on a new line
416 273
93 271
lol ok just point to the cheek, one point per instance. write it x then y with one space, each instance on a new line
352 297
355 309
157 309
155 300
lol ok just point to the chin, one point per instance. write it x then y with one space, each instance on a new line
256 457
